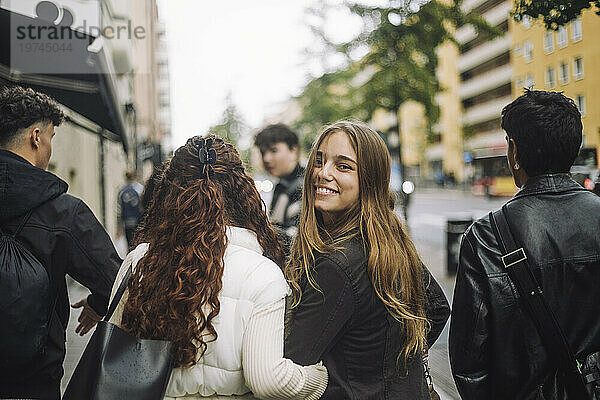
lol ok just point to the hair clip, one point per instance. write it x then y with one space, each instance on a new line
207 157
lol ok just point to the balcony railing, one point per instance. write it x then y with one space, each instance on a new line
486 111
483 53
483 140
484 82
494 17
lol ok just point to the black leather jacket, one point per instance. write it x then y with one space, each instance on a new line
349 329
495 350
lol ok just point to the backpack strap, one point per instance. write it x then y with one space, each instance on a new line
21 225
20 228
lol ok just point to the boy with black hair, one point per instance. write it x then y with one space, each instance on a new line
498 346
280 152
58 230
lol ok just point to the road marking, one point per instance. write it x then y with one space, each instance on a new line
439 221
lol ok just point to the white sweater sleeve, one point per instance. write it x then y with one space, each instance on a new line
267 373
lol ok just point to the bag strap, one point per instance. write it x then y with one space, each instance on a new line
426 369
115 301
521 274
21 225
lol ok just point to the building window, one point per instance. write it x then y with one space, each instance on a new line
576 32
549 42
518 50
550 81
526 21
529 83
581 104
528 48
562 37
578 68
563 74
519 84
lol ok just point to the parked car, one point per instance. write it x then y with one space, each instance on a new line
587 177
585 169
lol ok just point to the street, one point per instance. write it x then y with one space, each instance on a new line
428 212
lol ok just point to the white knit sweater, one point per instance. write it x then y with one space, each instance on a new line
248 353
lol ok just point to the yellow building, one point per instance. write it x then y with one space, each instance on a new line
450 147
481 76
476 80
567 60
412 130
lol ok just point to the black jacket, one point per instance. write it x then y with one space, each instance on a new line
66 238
286 205
495 350
349 329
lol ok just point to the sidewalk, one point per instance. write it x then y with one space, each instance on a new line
75 343
439 361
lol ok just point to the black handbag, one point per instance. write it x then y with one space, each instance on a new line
116 365
582 381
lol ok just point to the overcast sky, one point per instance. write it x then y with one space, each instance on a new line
251 49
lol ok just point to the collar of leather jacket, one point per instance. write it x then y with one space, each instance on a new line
548 183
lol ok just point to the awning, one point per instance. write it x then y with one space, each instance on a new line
88 89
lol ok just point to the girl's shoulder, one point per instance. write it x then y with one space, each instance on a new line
252 276
352 249
348 255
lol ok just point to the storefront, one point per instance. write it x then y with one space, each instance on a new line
90 148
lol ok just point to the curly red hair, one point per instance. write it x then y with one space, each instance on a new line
173 292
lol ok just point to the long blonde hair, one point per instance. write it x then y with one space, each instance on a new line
394 266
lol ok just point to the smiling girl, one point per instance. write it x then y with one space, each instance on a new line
363 301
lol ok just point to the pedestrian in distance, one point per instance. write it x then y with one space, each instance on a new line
363 301
280 152
149 187
46 234
130 207
503 341
207 276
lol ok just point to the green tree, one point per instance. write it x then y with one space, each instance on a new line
554 13
231 127
402 38
324 100
234 129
